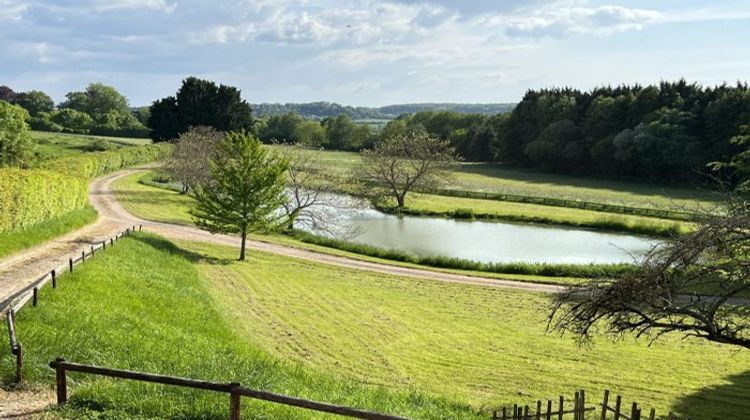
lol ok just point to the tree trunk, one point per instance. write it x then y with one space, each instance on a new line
242 247
400 200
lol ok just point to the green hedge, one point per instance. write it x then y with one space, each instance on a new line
31 196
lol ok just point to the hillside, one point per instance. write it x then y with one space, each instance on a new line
319 110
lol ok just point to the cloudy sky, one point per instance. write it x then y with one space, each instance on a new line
363 52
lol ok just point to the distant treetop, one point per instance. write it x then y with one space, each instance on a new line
321 110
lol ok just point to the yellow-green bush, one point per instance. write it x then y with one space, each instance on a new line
32 196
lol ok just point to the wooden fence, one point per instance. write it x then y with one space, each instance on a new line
235 390
578 409
16 301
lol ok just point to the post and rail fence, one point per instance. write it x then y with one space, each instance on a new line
606 411
10 306
235 390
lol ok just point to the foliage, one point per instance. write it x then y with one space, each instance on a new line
311 134
280 129
119 124
192 151
322 110
32 196
98 99
344 134
199 102
401 164
696 284
72 121
16 147
35 101
245 190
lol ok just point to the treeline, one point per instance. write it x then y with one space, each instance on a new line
667 132
321 110
99 109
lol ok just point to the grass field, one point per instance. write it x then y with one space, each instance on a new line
501 179
54 145
143 305
439 205
13 241
418 348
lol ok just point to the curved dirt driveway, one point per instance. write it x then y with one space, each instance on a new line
22 268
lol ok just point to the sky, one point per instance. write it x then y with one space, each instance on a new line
369 53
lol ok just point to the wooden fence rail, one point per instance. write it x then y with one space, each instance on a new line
235 390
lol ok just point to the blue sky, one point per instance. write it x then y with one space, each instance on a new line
369 52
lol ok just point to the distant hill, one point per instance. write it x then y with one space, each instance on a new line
320 110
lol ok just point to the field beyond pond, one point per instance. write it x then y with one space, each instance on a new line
417 348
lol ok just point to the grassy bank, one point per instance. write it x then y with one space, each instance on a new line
118 310
500 179
16 240
56 145
468 208
342 335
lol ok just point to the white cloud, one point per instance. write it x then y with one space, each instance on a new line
110 5
12 10
561 20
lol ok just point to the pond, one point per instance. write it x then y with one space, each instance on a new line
491 242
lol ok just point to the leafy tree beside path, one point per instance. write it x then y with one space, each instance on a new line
245 191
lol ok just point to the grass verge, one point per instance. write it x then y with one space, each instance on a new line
144 305
13 241
472 208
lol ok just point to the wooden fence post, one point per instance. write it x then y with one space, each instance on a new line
652 414
140 228
618 402
549 409
34 297
83 256
54 280
104 245
562 405
111 241
575 406
635 412
234 402
605 403
19 363
62 382
70 263
582 405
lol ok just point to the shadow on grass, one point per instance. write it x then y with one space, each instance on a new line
194 257
718 402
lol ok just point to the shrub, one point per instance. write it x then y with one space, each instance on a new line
16 147
32 196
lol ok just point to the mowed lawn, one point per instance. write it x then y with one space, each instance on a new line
55 145
496 178
483 346
438 204
418 348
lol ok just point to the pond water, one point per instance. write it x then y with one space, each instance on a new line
484 241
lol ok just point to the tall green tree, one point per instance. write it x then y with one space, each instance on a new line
245 191
35 101
199 102
16 147
97 99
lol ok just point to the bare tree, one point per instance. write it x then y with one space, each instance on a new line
312 199
189 164
697 284
403 163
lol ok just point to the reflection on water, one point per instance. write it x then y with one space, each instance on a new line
488 241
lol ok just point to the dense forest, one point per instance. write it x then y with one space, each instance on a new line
321 110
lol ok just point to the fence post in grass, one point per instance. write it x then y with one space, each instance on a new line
562 406
140 228
618 402
111 241
635 412
61 380
582 405
538 409
605 402
652 414
234 402
70 263
92 250
549 409
83 256
34 296
19 363
54 282
575 406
